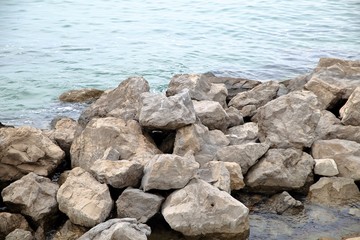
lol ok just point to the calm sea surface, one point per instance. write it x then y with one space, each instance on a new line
51 46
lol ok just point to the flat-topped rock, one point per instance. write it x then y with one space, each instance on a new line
81 95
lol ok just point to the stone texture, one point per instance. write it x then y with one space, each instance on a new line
284 203
69 231
124 229
280 170
211 114
326 167
216 174
218 93
11 221
83 199
81 95
33 196
235 117
350 112
166 113
202 209
167 171
24 150
242 134
134 203
236 176
19 234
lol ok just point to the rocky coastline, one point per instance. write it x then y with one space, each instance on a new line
198 159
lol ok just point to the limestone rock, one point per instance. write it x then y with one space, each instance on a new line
284 203
168 171
83 199
297 83
211 114
350 112
236 176
218 93
218 215
69 231
134 203
216 174
24 150
19 234
33 195
81 95
11 221
242 134
326 167
235 117
167 113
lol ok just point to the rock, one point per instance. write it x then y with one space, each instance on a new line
218 93
297 83
19 234
345 153
124 229
121 102
211 114
236 176
69 231
33 196
118 174
83 199
334 191
168 171
24 150
134 203
284 203
325 167
103 133
235 117
11 221
247 133
166 113
282 90
216 174
246 155
218 215
289 121
350 112
81 95
280 170
5 126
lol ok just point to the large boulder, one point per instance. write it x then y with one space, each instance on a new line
83 199
11 221
24 150
242 134
121 102
103 133
350 112
81 95
290 120
202 209
211 114
18 234
69 231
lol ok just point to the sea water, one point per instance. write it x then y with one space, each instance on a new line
51 46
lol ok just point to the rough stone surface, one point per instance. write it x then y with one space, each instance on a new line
166 113
218 93
236 176
284 203
124 229
211 114
69 231
83 199
216 174
19 234
235 117
167 171
242 134
134 203
81 95
119 174
24 150
334 191
326 167
11 221
33 195
121 102
280 170
290 120
350 112
217 213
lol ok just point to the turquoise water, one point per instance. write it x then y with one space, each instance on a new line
50 46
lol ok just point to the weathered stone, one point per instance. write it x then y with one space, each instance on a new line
242 134
211 114
83 199
282 90
246 155
134 203
81 95
24 150
284 203
236 176
69 231
280 170
19 234
202 209
33 195
350 112
103 133
334 191
345 153
167 171
326 167
124 229
235 117
11 221
167 113
297 83
121 102
216 174
218 93
289 121
119 174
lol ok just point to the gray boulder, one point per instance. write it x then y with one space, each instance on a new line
235 117
81 95
247 133
217 174
350 112
284 203
11 221
19 234
211 114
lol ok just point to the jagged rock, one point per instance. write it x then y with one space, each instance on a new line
121 102
168 171
334 191
166 113
290 120
216 174
235 117
19 234
345 153
134 203
284 203
24 150
236 176
100 134
247 133
11 221
33 196
69 231
83 199
246 155
124 229
297 83
282 90
350 112
280 170
218 215
326 167
218 93
81 95
211 114
118 174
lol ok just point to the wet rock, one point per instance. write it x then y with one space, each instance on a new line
124 228
83 199
166 113
326 167
69 231
284 203
247 133
218 215
211 114
19 234
11 221
81 95
216 174
134 203
350 112
235 117
24 150
236 176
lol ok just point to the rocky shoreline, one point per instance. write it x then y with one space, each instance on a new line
196 160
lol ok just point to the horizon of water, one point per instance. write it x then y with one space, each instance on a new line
49 47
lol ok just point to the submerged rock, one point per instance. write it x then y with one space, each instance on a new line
284 203
81 95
